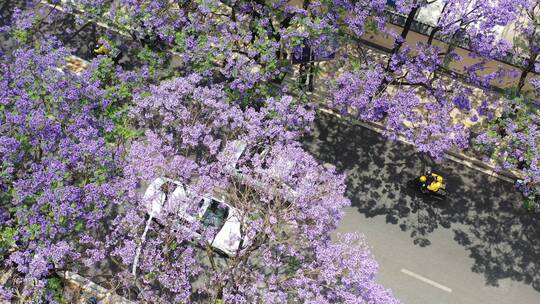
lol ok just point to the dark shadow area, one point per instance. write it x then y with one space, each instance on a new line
6 11
82 36
482 211
7 7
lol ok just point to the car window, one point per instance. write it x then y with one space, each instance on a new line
168 187
215 215
258 150
201 203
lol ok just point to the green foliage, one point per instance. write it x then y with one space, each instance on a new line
297 41
122 132
532 205
492 134
293 264
20 35
356 65
7 235
150 275
180 41
151 58
173 245
79 226
105 71
371 26
34 230
55 288
62 220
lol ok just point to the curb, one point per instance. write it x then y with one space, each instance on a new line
508 176
460 158
102 294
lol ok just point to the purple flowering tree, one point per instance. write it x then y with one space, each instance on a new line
57 167
527 43
287 205
78 153
247 44
512 139
411 94
62 139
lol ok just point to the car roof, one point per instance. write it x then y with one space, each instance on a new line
156 198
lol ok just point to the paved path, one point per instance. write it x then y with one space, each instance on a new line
473 248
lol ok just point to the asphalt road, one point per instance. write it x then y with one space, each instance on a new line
476 247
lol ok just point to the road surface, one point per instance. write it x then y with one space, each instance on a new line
477 247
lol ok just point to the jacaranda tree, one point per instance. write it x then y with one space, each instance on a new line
512 139
287 205
79 152
57 166
410 92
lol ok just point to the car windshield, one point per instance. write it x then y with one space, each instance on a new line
215 215
168 187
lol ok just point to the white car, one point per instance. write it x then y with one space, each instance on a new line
166 193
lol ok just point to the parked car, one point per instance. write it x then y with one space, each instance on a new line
212 212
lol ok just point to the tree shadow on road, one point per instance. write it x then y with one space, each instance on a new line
482 211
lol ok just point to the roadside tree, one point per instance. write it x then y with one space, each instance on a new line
411 92
285 204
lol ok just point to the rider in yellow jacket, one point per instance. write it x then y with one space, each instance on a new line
433 182
101 48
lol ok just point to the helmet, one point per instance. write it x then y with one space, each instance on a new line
423 178
428 172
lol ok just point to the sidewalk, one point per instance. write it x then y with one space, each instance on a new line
321 97
330 70
79 289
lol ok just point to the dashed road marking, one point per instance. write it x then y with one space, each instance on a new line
425 280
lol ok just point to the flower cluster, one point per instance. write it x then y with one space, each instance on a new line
57 167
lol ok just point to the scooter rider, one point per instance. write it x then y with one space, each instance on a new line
101 47
105 47
431 181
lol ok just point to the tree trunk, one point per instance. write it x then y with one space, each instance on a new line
311 78
432 34
459 34
397 47
404 33
305 68
526 71
302 75
437 27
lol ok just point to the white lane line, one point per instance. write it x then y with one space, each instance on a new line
425 280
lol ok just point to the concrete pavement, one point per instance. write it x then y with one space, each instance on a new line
476 247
